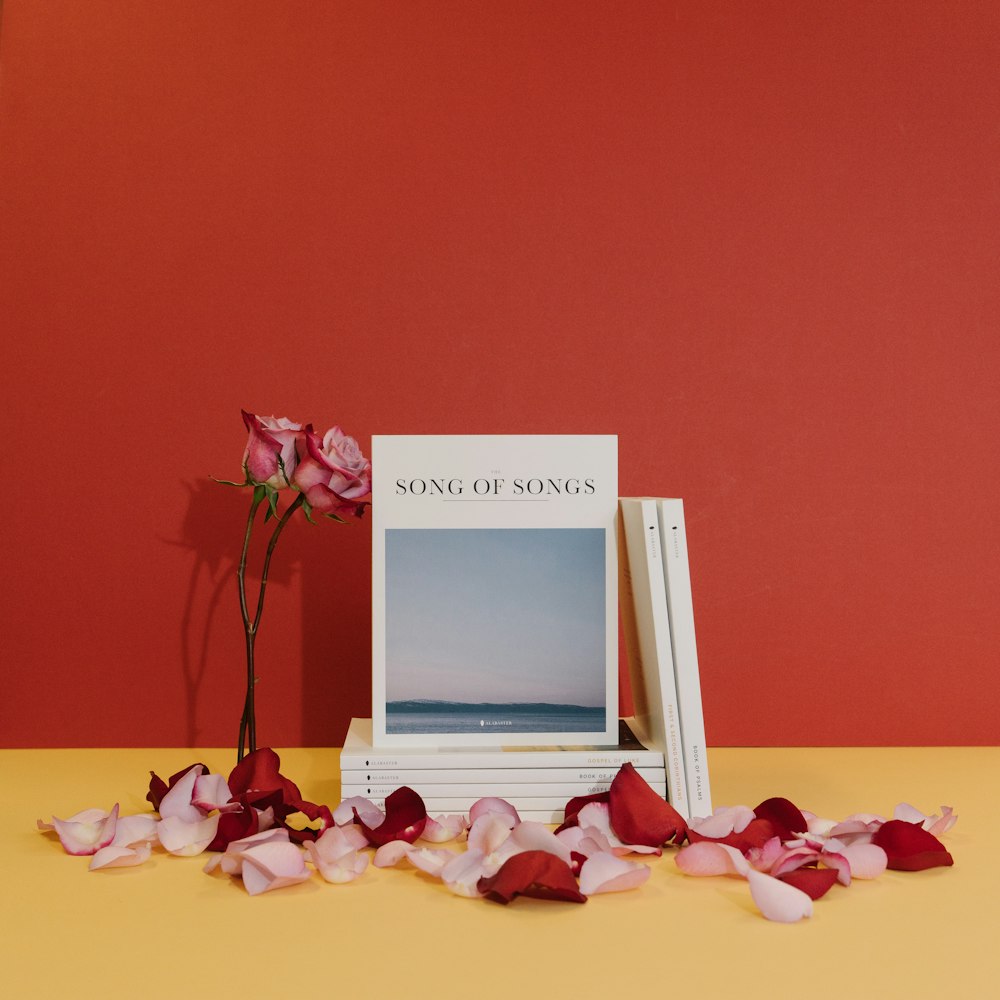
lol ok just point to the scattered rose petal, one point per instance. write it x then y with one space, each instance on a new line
784 815
131 831
753 836
430 860
119 856
308 821
405 818
187 839
909 847
866 860
464 872
638 815
936 825
595 818
814 882
370 813
778 900
259 776
573 807
489 831
211 792
532 836
532 873
158 787
235 826
231 860
272 866
708 857
608 873
441 829
343 868
723 822
492 805
177 802
86 832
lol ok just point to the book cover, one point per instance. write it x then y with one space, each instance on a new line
647 633
494 590
677 576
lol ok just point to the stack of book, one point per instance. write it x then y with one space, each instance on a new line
499 564
537 781
658 619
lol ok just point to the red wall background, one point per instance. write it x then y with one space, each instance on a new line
758 241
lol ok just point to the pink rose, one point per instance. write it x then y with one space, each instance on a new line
270 458
334 475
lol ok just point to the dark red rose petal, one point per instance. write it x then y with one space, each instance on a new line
574 806
259 772
158 787
786 817
814 882
910 848
638 815
533 873
756 834
405 818
235 826
312 812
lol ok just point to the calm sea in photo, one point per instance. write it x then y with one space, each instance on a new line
416 717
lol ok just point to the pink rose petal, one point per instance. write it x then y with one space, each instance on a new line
343 868
131 831
231 861
177 802
211 792
707 857
724 821
86 832
777 900
492 805
118 856
272 866
532 836
441 829
187 839
489 831
343 815
463 873
609 873
596 816
866 860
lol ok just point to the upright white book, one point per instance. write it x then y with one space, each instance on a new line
647 633
494 590
677 576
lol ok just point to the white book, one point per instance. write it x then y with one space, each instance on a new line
474 791
487 777
647 632
542 810
494 590
359 753
677 576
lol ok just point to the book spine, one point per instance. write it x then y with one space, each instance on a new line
386 760
542 810
654 670
677 577
492 776
563 792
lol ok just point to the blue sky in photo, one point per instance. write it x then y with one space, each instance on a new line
496 614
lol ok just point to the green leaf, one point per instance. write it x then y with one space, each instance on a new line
307 510
272 501
227 482
268 514
335 517
259 492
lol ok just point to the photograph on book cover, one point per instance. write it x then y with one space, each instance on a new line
494 590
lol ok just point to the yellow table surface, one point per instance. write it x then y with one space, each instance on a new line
166 929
